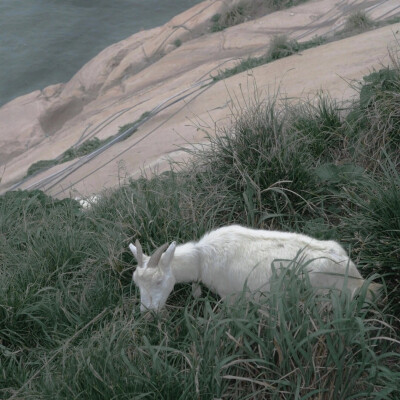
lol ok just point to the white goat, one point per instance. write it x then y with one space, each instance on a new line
229 257
87 202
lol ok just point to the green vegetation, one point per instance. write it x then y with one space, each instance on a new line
177 42
87 147
233 17
41 166
358 21
246 10
125 127
70 325
280 47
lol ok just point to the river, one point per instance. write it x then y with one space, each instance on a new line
47 41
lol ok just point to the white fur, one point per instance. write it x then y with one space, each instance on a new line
87 202
227 258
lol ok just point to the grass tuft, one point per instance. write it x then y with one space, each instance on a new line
281 47
358 21
245 10
236 15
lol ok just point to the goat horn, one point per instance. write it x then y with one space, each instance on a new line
139 253
155 258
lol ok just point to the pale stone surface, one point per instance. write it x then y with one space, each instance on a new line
146 70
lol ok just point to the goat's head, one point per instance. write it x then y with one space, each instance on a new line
153 275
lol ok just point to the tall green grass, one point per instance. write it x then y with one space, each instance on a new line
70 325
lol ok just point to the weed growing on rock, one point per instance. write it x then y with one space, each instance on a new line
358 21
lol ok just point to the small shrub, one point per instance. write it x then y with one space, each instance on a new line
125 127
377 84
40 166
215 18
375 121
358 21
321 124
235 16
374 214
85 148
281 47
146 114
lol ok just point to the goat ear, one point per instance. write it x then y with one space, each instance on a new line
168 255
137 251
133 249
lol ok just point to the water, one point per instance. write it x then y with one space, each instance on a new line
46 41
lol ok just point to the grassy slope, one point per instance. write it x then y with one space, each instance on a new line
69 320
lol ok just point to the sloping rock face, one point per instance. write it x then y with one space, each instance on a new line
151 73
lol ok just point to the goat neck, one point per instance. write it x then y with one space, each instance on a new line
186 263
